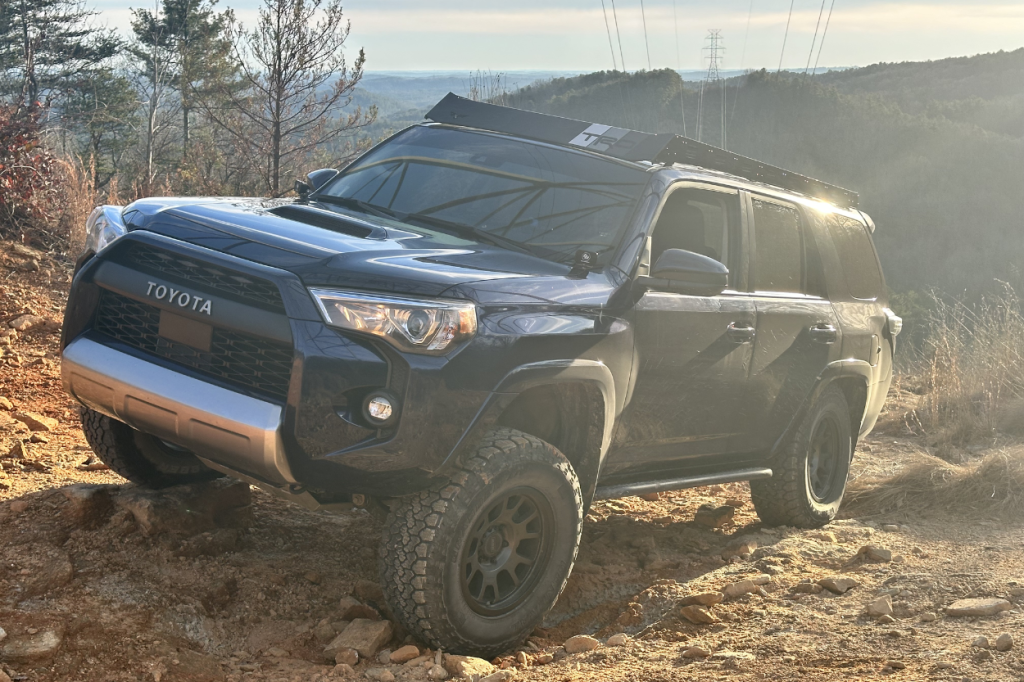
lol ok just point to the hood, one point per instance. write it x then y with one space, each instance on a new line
328 246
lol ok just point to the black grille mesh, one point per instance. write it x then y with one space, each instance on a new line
210 278
242 359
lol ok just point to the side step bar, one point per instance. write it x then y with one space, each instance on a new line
625 490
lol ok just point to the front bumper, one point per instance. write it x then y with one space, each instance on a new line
227 429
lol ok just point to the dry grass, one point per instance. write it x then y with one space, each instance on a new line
973 372
993 486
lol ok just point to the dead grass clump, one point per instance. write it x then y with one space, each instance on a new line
975 369
993 486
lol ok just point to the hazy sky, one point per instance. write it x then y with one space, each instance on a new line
571 34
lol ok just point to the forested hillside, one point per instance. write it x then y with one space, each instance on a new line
936 149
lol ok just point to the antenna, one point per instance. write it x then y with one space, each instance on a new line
714 50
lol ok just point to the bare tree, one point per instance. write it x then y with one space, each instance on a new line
295 87
154 74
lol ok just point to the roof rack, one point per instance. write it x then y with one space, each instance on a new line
629 145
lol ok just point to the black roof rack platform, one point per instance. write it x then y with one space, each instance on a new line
629 145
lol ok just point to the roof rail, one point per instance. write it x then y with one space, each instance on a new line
629 145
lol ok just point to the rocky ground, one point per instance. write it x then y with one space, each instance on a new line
101 581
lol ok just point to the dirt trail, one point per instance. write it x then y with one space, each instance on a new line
220 583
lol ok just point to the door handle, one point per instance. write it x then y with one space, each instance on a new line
739 334
824 333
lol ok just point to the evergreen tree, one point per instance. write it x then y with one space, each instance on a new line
44 44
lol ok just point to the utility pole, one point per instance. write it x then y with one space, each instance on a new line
713 51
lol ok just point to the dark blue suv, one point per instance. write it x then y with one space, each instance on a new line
479 327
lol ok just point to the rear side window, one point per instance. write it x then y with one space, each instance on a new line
860 266
778 248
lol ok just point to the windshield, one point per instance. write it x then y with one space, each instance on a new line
549 201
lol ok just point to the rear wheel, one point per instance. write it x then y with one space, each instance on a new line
140 457
473 565
809 477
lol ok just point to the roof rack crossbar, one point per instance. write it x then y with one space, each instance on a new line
629 145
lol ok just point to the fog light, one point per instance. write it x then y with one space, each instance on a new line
380 409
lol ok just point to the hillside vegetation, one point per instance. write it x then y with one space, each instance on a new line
935 149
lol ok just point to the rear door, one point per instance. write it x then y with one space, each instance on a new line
798 332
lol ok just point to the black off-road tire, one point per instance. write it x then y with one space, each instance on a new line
434 545
140 457
797 494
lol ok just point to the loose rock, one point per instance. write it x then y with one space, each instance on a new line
343 670
697 615
740 548
364 635
621 639
437 672
5 404
1004 642
886 620
980 643
187 510
880 607
714 517
872 553
696 652
35 421
34 648
346 656
702 599
740 588
467 666
405 653
580 643
896 665
26 322
380 675
838 585
928 617
977 607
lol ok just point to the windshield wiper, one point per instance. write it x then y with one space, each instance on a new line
358 205
467 231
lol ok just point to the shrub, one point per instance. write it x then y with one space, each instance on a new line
29 174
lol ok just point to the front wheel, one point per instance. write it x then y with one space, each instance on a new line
473 565
809 477
140 457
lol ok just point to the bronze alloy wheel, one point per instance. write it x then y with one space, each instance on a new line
506 551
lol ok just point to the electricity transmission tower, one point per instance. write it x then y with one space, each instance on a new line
713 51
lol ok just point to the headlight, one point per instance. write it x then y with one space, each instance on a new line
419 326
102 227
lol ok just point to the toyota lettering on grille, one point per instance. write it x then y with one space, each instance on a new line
182 299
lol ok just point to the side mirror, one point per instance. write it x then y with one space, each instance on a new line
319 178
688 273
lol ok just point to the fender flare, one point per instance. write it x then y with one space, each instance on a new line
532 375
839 369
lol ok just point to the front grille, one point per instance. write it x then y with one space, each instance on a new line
214 279
242 359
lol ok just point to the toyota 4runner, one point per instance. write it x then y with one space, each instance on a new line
481 326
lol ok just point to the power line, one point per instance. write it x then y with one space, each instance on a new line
713 75
643 15
786 35
743 60
615 16
815 38
821 45
615 64
679 67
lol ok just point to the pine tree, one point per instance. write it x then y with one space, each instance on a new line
45 43
295 87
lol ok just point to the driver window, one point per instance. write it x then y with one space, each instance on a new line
696 220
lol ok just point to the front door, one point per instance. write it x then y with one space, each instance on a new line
692 352
798 332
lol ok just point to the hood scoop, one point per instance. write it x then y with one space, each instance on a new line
328 221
